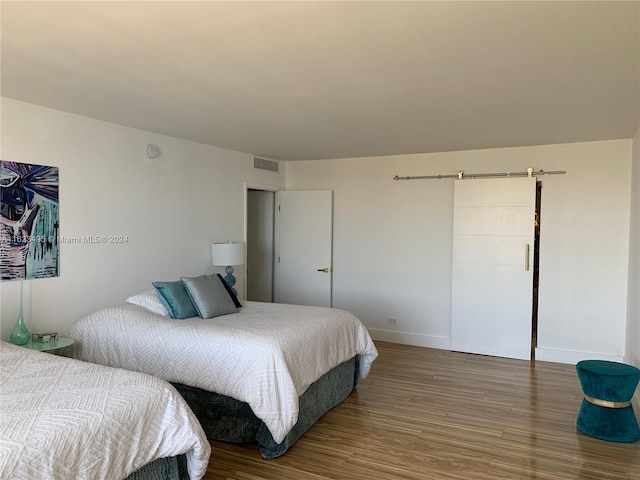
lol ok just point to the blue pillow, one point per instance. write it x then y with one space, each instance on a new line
174 296
236 302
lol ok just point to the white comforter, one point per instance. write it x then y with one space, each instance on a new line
266 355
62 419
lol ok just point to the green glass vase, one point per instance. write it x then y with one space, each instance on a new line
20 333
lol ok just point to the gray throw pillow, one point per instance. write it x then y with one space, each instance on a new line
209 296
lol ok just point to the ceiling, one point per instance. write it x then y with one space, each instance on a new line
316 80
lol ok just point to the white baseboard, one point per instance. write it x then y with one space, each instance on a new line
444 343
571 356
404 338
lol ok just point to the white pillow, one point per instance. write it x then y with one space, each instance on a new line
150 301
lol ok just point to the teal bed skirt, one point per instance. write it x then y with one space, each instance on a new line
229 420
169 468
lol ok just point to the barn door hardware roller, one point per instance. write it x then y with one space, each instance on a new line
461 175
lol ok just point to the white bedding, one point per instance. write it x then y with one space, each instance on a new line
64 419
266 355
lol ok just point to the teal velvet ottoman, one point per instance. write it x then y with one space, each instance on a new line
606 412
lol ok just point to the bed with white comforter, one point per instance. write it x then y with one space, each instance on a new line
65 419
266 355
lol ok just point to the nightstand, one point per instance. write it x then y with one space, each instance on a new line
61 342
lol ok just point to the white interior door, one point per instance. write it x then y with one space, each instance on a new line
492 290
304 247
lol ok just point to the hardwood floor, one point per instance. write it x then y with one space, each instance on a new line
432 414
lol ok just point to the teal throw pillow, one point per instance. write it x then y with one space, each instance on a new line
174 296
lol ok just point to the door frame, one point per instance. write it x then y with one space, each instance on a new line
265 188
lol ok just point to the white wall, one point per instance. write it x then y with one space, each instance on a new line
171 209
392 242
392 239
632 353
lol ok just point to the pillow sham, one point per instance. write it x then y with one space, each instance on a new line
209 296
150 301
233 296
175 298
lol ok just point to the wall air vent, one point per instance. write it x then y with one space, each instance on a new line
264 164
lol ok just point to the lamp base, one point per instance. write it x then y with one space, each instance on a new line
230 279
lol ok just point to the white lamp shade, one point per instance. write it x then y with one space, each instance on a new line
225 254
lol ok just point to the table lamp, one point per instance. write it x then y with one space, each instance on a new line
227 255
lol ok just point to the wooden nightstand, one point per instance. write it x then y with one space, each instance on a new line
61 342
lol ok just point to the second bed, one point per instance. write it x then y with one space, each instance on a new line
264 374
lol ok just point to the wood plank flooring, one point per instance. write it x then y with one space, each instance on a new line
433 414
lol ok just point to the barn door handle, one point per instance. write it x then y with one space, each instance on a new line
325 269
526 257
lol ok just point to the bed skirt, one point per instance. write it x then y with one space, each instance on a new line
229 420
168 468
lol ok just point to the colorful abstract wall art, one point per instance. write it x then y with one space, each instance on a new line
28 221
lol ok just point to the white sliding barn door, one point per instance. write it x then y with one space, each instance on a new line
492 290
304 247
